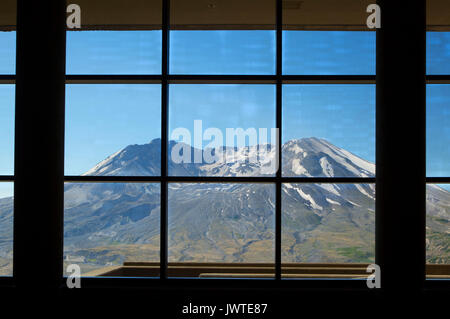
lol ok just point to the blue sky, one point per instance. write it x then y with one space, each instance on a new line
221 106
98 124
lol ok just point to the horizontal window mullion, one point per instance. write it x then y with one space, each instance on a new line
438 180
438 79
219 179
328 79
7 79
6 178
113 79
215 79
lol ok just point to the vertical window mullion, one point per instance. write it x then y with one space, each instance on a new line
164 138
279 15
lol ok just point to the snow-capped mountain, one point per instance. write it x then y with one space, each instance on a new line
109 223
303 157
313 157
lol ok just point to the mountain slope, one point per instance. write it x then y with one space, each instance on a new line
109 223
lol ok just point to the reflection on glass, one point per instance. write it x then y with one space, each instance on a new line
108 224
327 223
222 224
328 130
8 52
222 130
438 224
438 52
114 52
7 102
438 130
6 229
328 52
113 130
222 52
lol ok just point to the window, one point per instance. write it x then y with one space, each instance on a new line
328 134
216 140
114 52
197 128
108 225
7 118
113 147
438 142
99 128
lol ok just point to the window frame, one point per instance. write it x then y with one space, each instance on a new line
165 79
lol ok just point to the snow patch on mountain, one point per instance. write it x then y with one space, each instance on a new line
363 191
332 188
308 198
298 169
326 167
332 201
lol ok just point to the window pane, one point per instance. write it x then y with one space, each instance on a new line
328 130
438 224
327 223
438 130
222 52
113 130
221 224
438 52
6 228
8 52
328 52
225 37
7 105
107 224
203 114
438 37
114 52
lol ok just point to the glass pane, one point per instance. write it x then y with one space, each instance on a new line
224 230
109 224
222 52
328 52
113 130
8 52
6 228
328 130
114 52
225 37
438 52
438 37
438 130
327 223
222 130
7 106
438 224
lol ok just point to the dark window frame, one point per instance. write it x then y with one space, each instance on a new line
165 79
381 179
